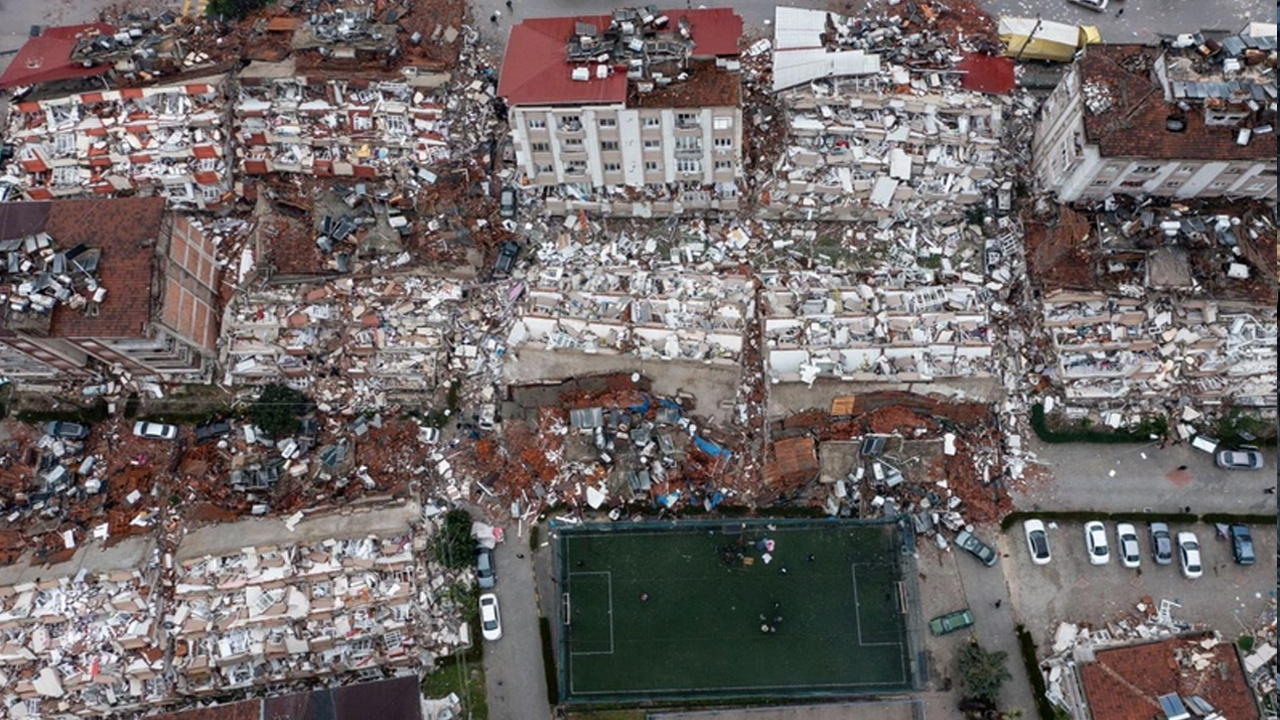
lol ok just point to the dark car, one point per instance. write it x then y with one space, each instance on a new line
1161 544
507 255
507 202
486 576
951 622
211 430
976 547
68 430
1242 545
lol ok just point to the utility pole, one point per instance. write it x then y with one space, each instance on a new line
1030 37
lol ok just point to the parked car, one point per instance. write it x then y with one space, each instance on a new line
67 430
951 622
1095 5
155 431
507 202
1127 545
1245 458
1095 538
1189 552
490 618
976 547
429 435
486 576
1242 545
1037 541
1161 543
211 430
507 254
487 416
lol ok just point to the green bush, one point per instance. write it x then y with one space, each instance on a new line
982 672
95 413
1044 708
453 546
1157 425
279 409
234 9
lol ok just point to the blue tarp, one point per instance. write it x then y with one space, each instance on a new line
711 448
641 408
669 499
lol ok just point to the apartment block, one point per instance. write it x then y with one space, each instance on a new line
94 284
634 114
1194 117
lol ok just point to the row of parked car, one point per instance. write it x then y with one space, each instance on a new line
152 431
1162 543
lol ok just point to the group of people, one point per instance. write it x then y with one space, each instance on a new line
769 623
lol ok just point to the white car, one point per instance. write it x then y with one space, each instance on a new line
1127 545
1095 538
1037 541
1189 551
490 618
1095 5
155 431
428 435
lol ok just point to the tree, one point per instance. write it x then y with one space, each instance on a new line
234 9
278 409
982 673
453 546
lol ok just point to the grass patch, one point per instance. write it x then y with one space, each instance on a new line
549 661
1084 432
1245 643
462 673
95 413
1044 708
188 418
535 533
633 714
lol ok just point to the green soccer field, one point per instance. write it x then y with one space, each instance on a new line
694 609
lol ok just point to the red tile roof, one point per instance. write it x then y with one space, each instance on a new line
126 230
986 73
1134 125
1124 682
47 58
536 70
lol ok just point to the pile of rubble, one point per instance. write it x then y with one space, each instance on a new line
878 122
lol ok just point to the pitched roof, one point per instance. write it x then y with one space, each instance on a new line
125 229
47 58
394 699
1123 683
1134 124
536 69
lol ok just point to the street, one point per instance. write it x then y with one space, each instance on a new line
1119 478
516 685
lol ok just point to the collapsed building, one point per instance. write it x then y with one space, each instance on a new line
292 121
667 315
166 140
879 121
1158 305
634 114
1194 117
109 284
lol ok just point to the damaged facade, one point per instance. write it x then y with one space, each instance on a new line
1192 118
166 140
634 114
110 283
878 121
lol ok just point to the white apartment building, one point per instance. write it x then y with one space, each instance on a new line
1192 118
637 113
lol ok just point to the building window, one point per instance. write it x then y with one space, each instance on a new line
652 144
1173 184
686 120
1233 171
570 123
608 122
689 143
612 167
536 124
724 165
650 166
689 165
724 142
575 143
1132 184
1145 169
575 168
1256 187
1186 169
722 123
653 121
1100 183
540 147
210 192
1218 185
545 169
609 145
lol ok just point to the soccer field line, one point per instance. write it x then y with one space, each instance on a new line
609 579
857 605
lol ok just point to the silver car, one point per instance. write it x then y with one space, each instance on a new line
1242 459
155 431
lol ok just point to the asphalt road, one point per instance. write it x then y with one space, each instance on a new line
516 685
1145 476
